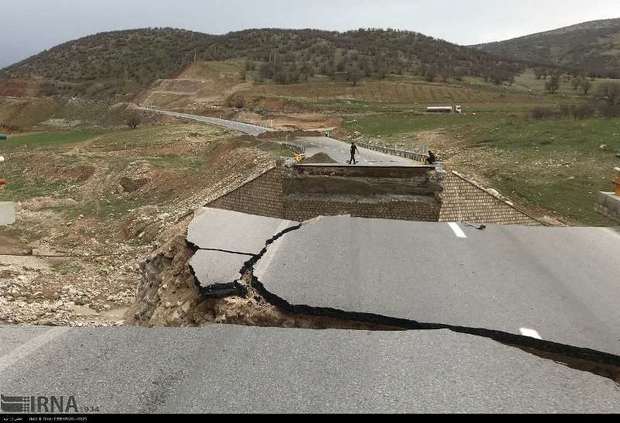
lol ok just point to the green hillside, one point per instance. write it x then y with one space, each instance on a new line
591 47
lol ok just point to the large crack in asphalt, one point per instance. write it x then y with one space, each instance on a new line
578 358
223 290
583 359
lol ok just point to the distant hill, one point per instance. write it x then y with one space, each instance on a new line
591 47
109 63
123 62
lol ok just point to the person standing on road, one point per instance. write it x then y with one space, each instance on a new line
432 158
354 151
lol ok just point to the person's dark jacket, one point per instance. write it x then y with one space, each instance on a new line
432 158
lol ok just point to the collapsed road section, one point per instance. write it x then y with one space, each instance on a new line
224 241
390 275
559 283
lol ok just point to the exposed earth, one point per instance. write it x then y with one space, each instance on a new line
90 210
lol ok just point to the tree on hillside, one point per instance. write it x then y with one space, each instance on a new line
429 73
540 73
236 101
553 84
609 92
265 71
134 120
608 97
582 83
586 86
354 75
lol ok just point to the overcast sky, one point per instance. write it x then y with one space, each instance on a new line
29 26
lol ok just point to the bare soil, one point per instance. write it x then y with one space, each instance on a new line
89 213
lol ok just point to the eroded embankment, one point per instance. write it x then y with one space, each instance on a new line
170 295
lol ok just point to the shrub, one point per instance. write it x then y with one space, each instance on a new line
134 120
236 101
584 111
540 113
608 110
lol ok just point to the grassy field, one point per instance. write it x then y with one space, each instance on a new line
560 165
48 140
557 165
409 123
409 93
62 163
65 162
104 187
527 83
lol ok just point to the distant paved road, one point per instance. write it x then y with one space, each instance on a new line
245 128
337 150
562 284
242 369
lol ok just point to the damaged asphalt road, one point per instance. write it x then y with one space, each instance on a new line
274 370
248 369
390 274
557 284
225 241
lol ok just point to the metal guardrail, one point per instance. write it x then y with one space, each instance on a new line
412 155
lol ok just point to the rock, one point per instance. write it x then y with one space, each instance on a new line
132 185
187 306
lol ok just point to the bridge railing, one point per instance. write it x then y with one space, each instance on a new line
412 155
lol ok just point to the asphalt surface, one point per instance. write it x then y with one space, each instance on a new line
337 150
559 284
227 240
341 152
245 128
216 267
233 231
240 369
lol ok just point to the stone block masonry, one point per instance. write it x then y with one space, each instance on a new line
465 201
261 196
400 193
421 209
306 192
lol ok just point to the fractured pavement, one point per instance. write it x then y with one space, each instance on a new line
216 267
226 240
560 283
225 230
